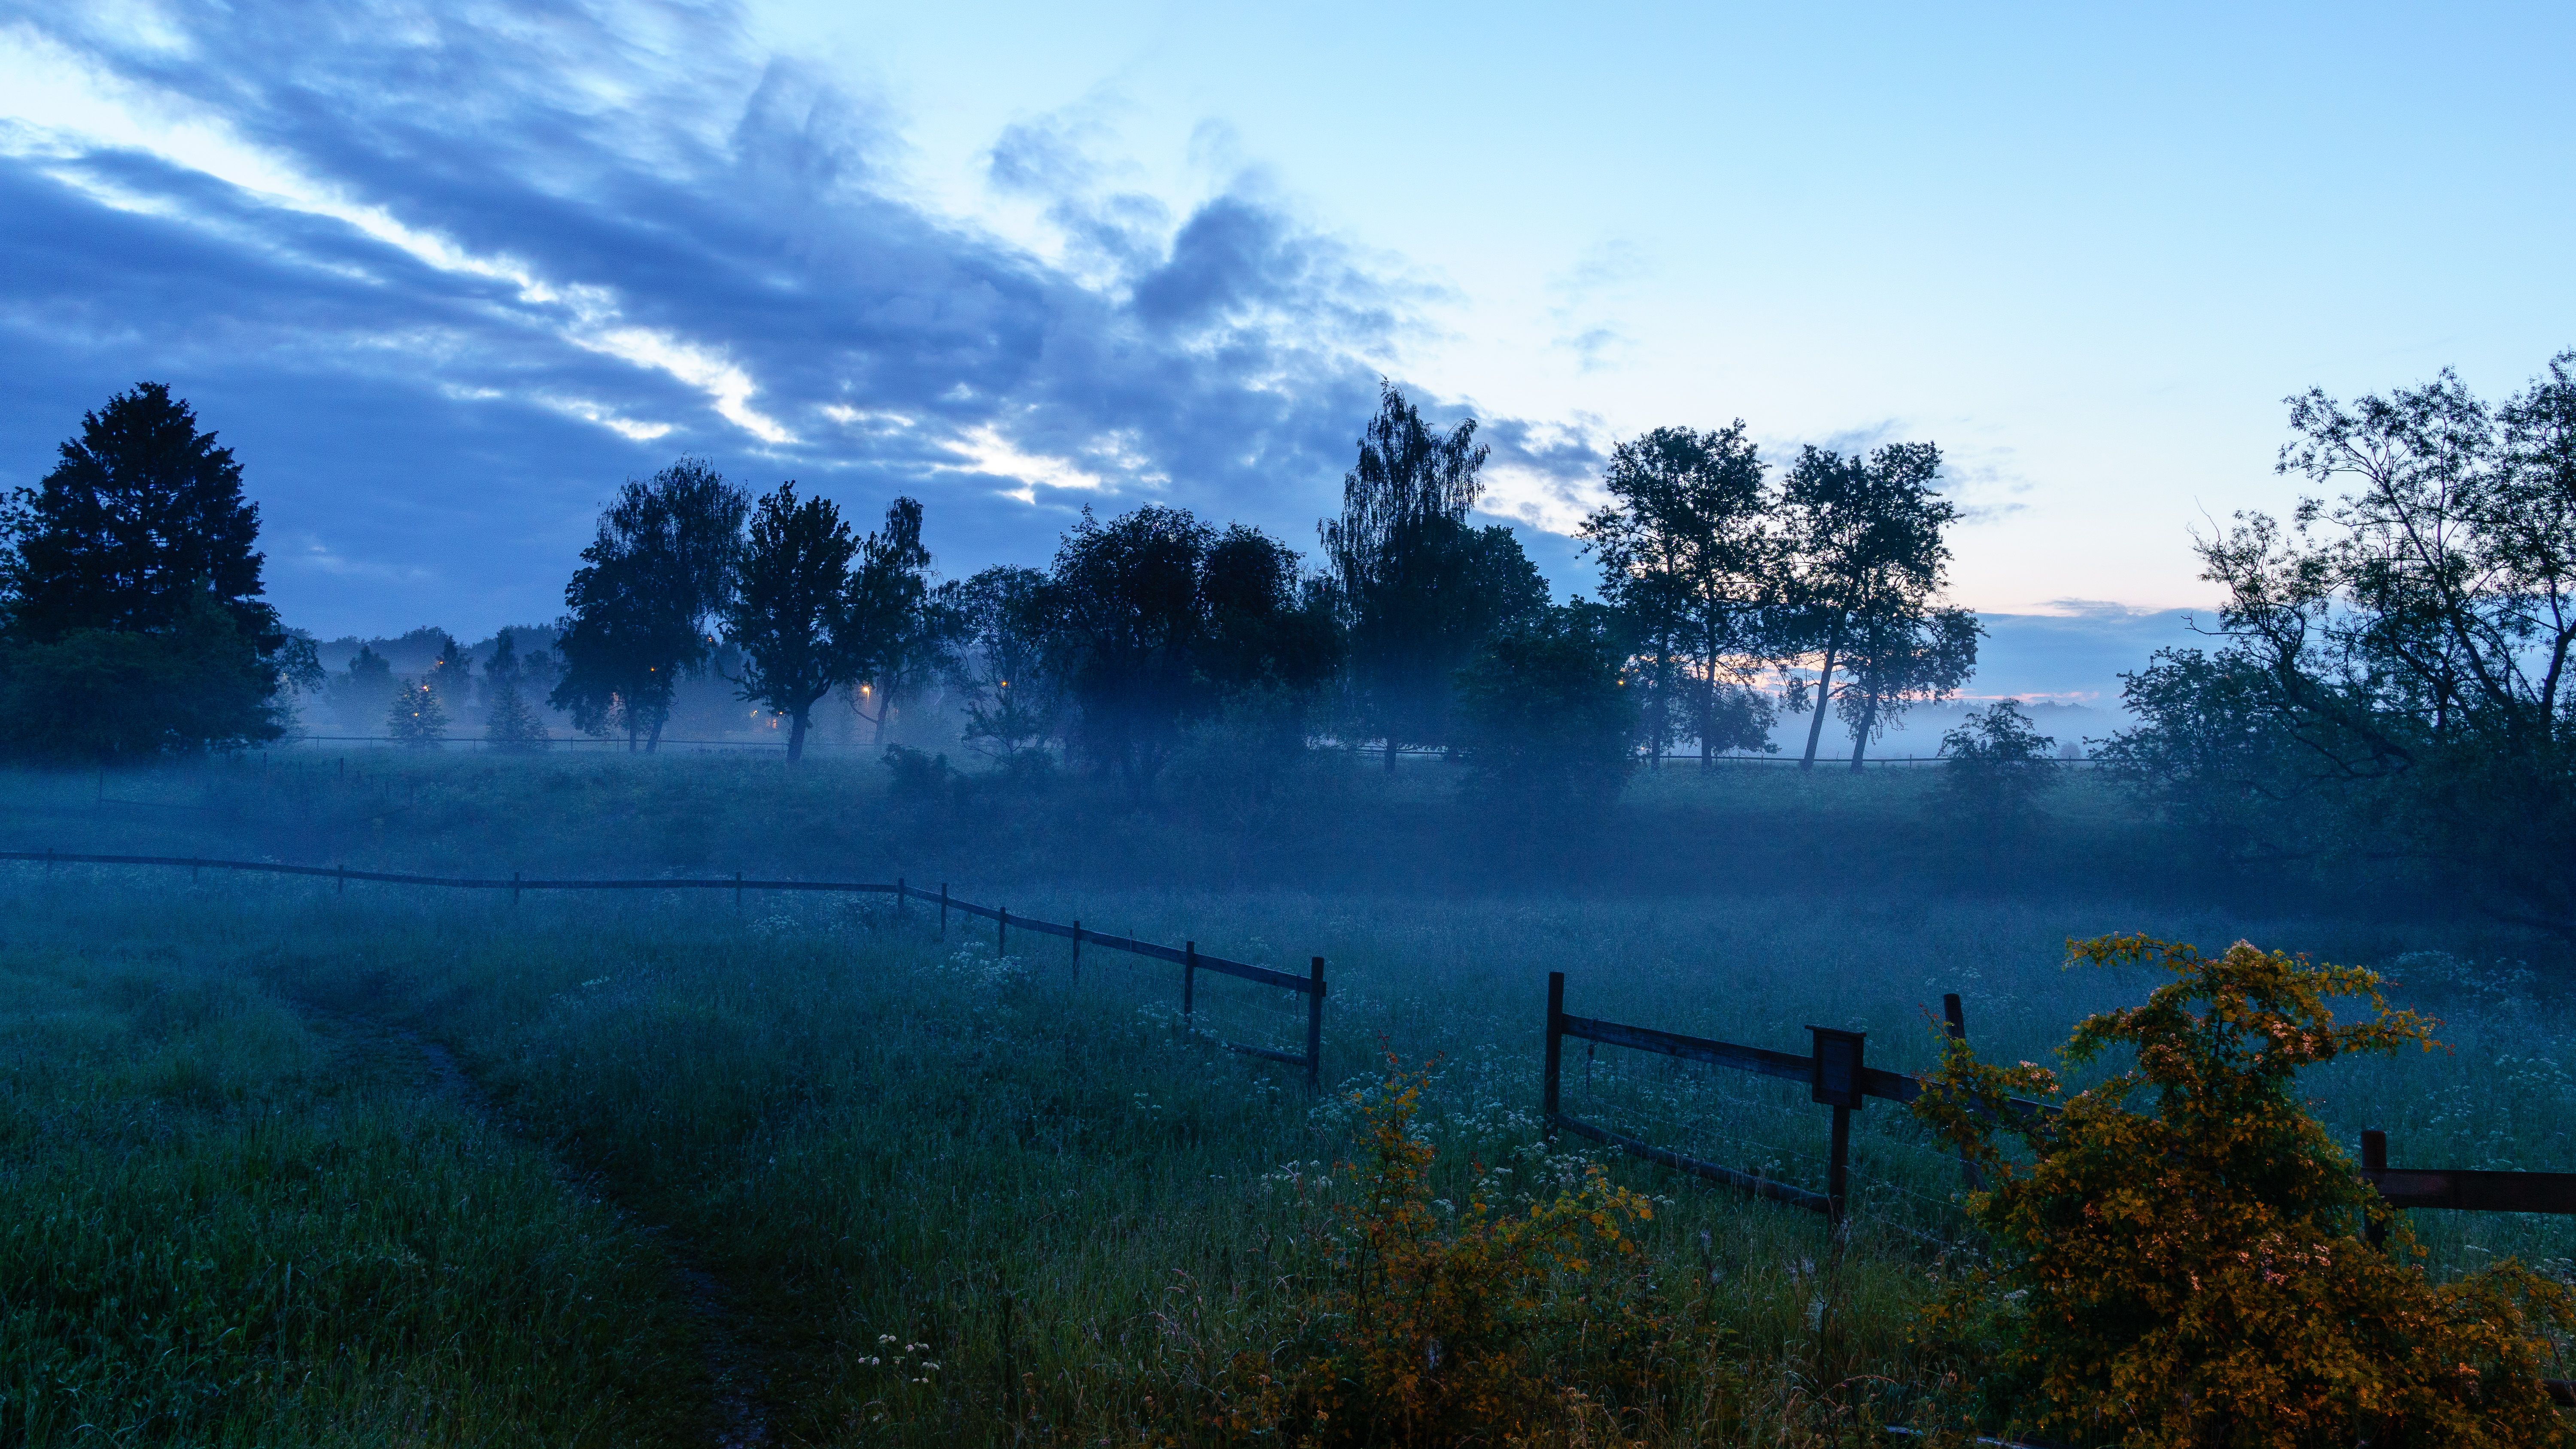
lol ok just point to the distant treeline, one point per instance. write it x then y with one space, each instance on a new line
2386 682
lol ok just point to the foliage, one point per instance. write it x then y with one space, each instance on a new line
2213 752
998 670
2184 1271
2413 637
1419 589
134 622
1154 620
659 569
362 691
450 675
125 695
1997 769
1691 557
417 720
1548 720
792 609
1441 1328
1868 562
510 723
899 637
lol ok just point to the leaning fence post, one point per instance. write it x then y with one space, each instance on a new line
1189 983
2374 1158
1314 1022
1954 1019
1547 1095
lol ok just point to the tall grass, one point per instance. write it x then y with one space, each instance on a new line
967 1200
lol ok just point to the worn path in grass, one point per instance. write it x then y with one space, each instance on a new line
737 1372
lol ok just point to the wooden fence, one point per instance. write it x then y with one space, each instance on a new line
1837 1076
1187 956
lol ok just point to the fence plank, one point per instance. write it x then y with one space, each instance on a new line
1753 1183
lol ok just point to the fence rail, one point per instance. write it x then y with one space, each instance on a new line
1187 956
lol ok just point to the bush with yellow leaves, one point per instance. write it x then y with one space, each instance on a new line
2177 1255
1442 1326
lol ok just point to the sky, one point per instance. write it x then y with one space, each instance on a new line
445 274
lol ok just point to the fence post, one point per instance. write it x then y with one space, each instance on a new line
1314 1022
1189 983
737 890
1555 1044
1838 1167
1955 1020
943 910
1077 951
1002 933
342 870
1837 1074
900 895
49 860
514 887
2374 1158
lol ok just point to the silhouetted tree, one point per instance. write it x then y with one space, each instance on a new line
1868 562
1690 553
1548 719
1997 768
362 692
510 723
1900 658
660 569
1420 588
898 639
134 622
998 669
417 720
792 614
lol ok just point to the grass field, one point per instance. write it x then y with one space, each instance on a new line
281 1165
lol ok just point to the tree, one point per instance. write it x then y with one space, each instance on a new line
417 720
141 533
364 690
660 568
451 674
1547 716
1689 554
792 614
1868 563
1420 589
510 723
1124 627
1998 769
897 640
2212 753
998 669
2412 637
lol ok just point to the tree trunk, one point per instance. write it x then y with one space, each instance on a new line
1868 717
1390 754
796 736
885 708
1824 687
653 741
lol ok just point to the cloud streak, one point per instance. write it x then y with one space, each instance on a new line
445 274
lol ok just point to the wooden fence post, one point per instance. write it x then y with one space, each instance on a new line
1838 1167
1314 1022
1954 1019
737 890
1077 951
1547 1097
2374 1158
1189 983
342 870
514 887
1838 1075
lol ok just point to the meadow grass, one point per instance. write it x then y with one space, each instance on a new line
897 1151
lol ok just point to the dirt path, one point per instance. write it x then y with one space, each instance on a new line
738 1379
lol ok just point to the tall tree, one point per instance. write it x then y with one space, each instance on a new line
1868 563
1689 554
791 614
510 723
417 721
1421 589
659 570
998 670
898 639
2412 637
131 579
1896 659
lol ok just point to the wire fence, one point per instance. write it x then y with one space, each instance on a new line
1199 970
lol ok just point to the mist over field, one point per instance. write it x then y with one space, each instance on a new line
752 724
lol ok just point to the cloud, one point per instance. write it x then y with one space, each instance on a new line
445 274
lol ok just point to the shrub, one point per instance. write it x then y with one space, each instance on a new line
1483 1323
417 721
2185 1270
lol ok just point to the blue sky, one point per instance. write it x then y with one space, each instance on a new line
445 273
